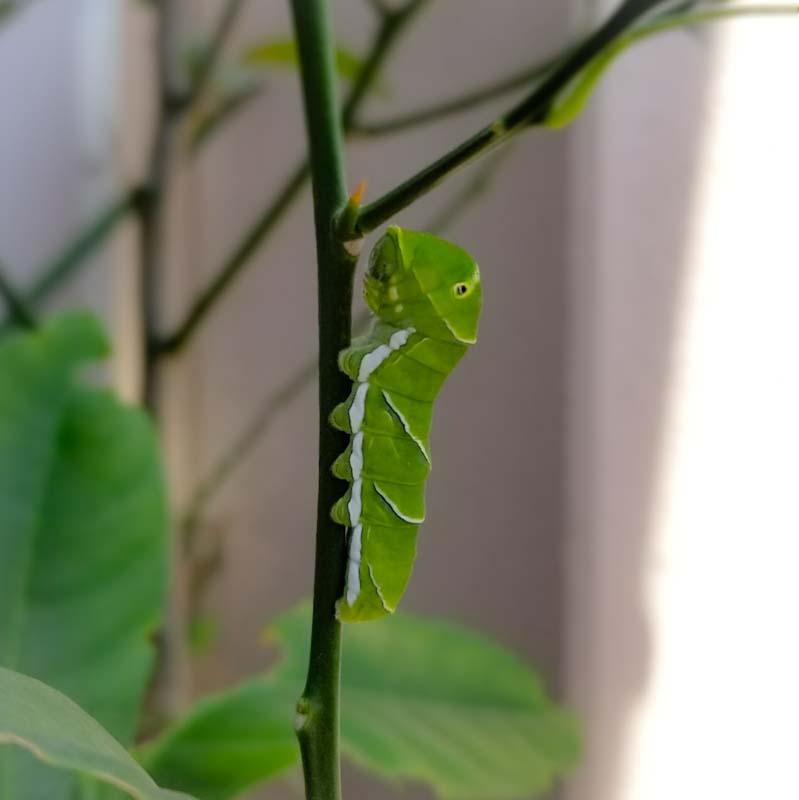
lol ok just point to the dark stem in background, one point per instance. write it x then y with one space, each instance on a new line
235 263
224 26
317 720
392 24
455 105
531 111
171 690
171 92
17 306
76 253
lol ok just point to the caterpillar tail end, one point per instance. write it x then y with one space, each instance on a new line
358 612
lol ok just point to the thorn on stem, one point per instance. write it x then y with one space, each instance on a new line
360 190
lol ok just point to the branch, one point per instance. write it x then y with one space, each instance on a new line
455 105
223 28
173 679
241 448
317 720
390 28
170 90
75 253
55 272
235 262
531 111
392 23
18 308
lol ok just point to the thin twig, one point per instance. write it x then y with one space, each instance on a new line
151 208
18 308
75 254
173 681
456 105
234 264
227 20
243 446
390 28
531 111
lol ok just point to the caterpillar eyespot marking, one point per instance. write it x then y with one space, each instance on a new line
437 286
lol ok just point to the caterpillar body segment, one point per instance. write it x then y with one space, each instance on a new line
426 297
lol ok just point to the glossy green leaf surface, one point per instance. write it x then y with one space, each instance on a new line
423 701
56 730
82 536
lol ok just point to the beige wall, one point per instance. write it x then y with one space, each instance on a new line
682 424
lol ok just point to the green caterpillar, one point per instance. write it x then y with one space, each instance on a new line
426 297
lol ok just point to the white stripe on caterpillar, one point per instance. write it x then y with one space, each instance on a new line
377 589
369 363
393 506
354 566
404 422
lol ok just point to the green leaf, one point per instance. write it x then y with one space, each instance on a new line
83 546
283 53
230 741
422 700
57 731
574 97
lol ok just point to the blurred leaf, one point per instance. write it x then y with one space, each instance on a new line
422 700
283 53
82 550
230 741
575 97
49 725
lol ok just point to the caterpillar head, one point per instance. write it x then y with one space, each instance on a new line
420 280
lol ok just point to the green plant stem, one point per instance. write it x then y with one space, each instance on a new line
531 111
391 26
317 721
455 105
18 308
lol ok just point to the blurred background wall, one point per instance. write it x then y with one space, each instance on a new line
682 427
611 493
